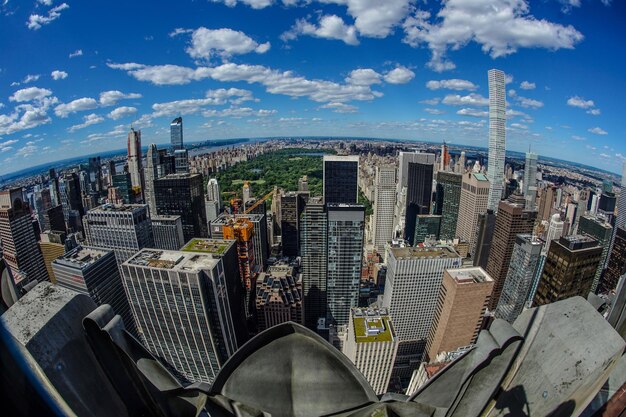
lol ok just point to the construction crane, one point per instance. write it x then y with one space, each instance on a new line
258 202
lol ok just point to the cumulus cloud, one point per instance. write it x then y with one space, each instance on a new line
239 112
58 75
375 18
110 98
452 84
90 119
434 111
598 131
179 31
30 78
472 99
212 98
525 85
223 42
399 75
36 21
255 4
328 27
340 107
581 103
593 112
472 112
121 112
366 76
81 104
26 118
524 101
30 94
501 27
78 52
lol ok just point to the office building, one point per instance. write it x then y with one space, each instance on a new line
55 195
53 219
125 229
484 237
19 243
182 195
167 232
314 260
181 161
616 265
601 231
384 205
213 191
94 272
182 314
546 202
212 211
346 223
461 305
71 201
176 133
341 173
569 269
94 176
621 208
448 199
152 167
419 187
412 285
473 203
42 203
497 137
134 160
52 246
278 297
530 179
371 345
426 227
303 183
519 280
124 186
555 230
291 206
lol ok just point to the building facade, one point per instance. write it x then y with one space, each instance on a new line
497 137
176 133
134 160
601 231
530 179
167 232
384 205
473 203
278 297
448 201
341 173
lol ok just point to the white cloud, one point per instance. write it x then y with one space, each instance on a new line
121 112
524 101
328 27
374 18
340 107
78 52
519 126
224 42
30 78
472 112
255 4
580 102
30 94
525 85
8 143
434 111
110 98
90 119
366 76
36 21
452 84
501 27
81 104
179 31
45 2
30 118
58 75
399 75
431 101
217 97
598 131
578 138
472 99
129 66
239 112
594 112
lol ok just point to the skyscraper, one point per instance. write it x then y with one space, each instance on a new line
546 203
259 223
53 219
182 195
473 202
167 232
176 133
617 263
152 165
519 279
346 223
601 231
291 206
125 229
384 204
314 253
124 186
278 297
461 305
512 219
70 195
447 202
371 345
497 136
426 226
621 208
419 190
134 159
412 285
569 269
94 175
484 237
341 174
180 303
555 230
213 191
530 179
181 161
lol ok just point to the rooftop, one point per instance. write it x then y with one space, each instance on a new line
480 177
474 274
424 252
164 218
118 207
81 257
372 325
172 260
212 246
342 158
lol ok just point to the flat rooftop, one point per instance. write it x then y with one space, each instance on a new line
212 246
474 274
172 260
480 177
409 252
223 219
165 218
372 325
342 158
118 207
82 257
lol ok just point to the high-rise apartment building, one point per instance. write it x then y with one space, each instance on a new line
182 195
167 232
176 133
371 344
512 219
125 229
134 159
448 199
181 307
19 243
412 285
94 272
569 269
152 167
341 174
291 206
473 203
530 179
461 305
601 231
546 202
497 137
278 297
519 280
314 255
617 263
384 205
346 224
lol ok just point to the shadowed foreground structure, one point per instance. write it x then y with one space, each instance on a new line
62 356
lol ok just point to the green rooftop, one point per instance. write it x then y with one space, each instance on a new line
379 329
480 177
216 247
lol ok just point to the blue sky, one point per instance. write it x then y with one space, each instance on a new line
75 75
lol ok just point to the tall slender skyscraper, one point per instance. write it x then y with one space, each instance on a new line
384 204
341 174
621 207
70 195
152 165
447 202
473 202
176 133
291 206
346 223
134 159
530 179
497 136
602 231
419 190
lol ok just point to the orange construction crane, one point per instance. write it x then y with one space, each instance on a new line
258 202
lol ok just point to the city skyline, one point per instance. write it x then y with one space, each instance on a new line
230 74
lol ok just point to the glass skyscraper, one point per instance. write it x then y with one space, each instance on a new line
341 179
176 133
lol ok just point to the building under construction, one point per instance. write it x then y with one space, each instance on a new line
242 231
